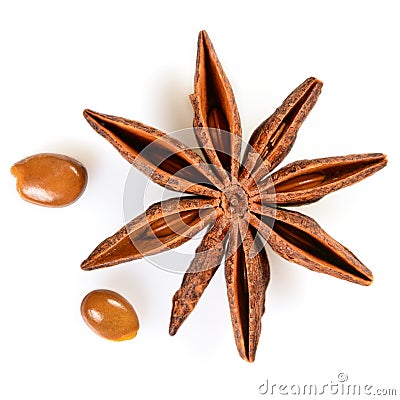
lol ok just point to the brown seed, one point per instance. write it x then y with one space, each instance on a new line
173 223
110 315
51 180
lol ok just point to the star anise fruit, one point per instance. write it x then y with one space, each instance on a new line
237 201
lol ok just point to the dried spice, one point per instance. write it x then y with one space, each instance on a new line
51 180
237 200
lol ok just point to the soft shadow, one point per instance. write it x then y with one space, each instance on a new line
77 149
285 287
172 105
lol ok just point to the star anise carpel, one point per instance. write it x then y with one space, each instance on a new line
241 203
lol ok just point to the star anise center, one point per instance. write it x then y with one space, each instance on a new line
235 201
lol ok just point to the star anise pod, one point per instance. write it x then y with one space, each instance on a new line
237 201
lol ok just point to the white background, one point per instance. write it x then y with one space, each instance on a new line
136 59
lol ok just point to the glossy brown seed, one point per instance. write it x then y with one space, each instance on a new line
51 180
110 315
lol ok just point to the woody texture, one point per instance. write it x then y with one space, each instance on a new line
240 203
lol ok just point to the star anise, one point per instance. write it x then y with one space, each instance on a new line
237 201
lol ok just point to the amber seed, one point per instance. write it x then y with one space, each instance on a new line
110 315
51 180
